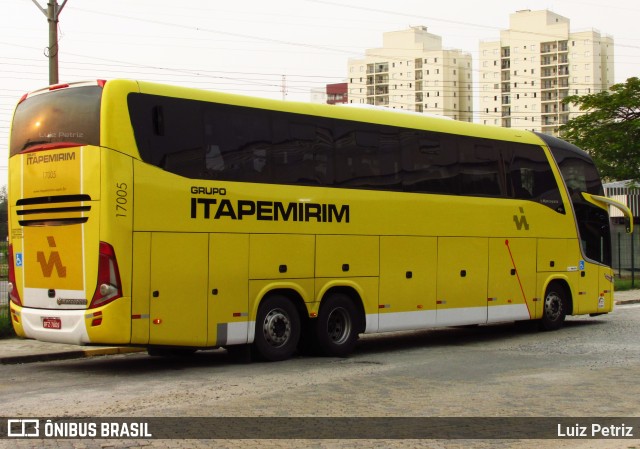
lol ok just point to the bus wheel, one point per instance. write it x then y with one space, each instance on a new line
336 326
277 328
555 307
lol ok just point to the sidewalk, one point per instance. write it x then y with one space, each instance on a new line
17 350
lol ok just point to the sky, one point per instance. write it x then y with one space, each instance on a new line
275 49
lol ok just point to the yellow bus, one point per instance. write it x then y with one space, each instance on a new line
178 219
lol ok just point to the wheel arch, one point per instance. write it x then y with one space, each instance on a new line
566 286
279 321
355 298
293 294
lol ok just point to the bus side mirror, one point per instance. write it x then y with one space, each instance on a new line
604 203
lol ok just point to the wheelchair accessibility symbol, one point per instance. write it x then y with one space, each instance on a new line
18 259
581 265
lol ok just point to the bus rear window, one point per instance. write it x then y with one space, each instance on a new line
66 115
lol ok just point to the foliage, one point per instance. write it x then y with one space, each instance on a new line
6 328
609 130
3 214
5 321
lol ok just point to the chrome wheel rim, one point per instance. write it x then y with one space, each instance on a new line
276 328
553 306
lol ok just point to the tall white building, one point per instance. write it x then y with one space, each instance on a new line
536 63
413 72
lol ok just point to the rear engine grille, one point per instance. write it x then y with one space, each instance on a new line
53 210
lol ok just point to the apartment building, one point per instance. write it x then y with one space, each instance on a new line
412 71
536 63
337 93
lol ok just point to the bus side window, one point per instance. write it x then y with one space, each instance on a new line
428 166
531 177
168 132
479 168
300 152
213 159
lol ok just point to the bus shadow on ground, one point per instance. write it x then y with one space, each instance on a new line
442 338
460 335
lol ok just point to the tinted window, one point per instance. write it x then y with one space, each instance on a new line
479 167
215 141
530 176
64 115
581 175
429 162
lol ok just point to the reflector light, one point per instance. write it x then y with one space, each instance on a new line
108 286
101 83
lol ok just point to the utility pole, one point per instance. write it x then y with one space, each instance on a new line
52 13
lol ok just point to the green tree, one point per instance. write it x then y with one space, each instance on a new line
609 130
4 226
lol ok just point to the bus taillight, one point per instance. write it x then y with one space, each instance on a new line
13 290
108 286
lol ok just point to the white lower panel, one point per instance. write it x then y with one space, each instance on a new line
511 312
424 319
372 324
237 333
251 334
39 298
461 316
406 320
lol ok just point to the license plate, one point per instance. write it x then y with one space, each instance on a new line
52 323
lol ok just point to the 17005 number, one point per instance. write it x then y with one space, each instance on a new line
121 199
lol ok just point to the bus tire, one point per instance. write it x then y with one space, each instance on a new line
555 307
336 327
277 328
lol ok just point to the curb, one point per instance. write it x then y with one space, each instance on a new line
628 301
67 355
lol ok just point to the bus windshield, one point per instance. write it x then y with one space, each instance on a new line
580 175
65 115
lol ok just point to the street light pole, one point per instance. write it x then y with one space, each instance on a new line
52 13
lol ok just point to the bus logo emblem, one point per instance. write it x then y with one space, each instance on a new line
54 261
521 221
